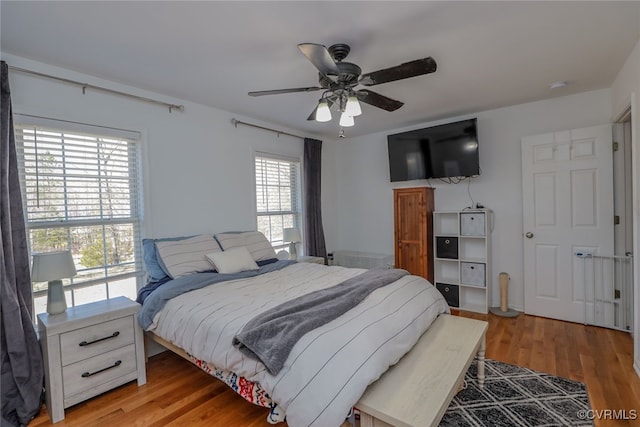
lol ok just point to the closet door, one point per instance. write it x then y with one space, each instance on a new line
413 217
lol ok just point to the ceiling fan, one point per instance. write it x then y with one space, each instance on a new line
338 79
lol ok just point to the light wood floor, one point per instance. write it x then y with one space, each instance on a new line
179 394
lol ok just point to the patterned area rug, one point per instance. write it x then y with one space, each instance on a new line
516 396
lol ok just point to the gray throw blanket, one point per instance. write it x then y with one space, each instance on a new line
270 336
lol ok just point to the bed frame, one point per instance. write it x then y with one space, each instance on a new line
166 344
418 389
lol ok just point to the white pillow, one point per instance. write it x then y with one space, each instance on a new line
257 244
233 260
187 256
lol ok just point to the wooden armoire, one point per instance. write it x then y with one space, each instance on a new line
413 230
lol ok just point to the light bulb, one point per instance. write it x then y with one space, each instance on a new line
323 113
346 120
353 106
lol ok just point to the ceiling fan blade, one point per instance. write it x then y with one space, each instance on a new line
278 91
372 98
399 72
320 57
312 116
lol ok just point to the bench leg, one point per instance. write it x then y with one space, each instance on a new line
367 420
483 344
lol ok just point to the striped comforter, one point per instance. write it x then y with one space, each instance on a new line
330 367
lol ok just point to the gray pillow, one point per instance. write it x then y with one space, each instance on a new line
152 263
257 244
187 256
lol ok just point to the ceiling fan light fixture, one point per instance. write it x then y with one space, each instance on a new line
346 120
323 113
338 79
353 106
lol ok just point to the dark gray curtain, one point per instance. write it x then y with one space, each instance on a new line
313 232
22 368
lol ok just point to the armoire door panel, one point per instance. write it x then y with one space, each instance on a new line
413 210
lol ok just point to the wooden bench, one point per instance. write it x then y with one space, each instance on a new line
418 389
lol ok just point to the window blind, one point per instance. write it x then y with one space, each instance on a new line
81 192
277 196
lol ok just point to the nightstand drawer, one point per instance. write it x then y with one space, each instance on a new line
87 342
90 373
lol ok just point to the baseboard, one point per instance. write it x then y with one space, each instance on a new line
636 366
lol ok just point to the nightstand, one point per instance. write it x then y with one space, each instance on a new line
90 349
313 259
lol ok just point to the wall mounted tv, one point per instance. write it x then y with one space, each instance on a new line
443 151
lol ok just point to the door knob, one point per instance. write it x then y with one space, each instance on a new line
528 235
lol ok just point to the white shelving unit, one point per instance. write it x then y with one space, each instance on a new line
462 263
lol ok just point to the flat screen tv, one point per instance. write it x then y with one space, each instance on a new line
443 151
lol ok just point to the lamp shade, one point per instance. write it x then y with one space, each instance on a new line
49 266
291 235
346 120
323 113
353 106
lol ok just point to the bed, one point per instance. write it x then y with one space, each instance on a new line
328 369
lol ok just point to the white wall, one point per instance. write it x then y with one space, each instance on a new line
625 92
365 196
198 168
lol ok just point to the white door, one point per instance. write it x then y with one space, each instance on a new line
567 184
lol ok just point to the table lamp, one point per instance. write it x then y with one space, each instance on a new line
52 267
292 235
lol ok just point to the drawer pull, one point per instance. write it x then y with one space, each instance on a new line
113 335
88 374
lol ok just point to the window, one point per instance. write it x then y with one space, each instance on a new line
277 196
80 188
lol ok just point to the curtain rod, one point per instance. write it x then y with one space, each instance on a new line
235 123
86 86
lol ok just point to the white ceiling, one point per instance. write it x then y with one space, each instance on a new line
489 54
